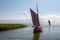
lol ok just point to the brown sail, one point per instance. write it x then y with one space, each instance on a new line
35 18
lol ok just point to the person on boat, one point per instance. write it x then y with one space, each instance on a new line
49 22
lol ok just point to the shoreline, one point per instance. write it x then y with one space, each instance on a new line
4 27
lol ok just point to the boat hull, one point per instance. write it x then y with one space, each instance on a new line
37 29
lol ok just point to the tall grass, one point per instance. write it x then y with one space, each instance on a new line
11 26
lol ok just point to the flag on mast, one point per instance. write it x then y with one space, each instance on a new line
35 19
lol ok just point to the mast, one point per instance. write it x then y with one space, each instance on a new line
37 7
37 13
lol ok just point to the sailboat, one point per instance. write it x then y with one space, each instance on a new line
35 21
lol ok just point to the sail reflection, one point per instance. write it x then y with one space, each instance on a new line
36 36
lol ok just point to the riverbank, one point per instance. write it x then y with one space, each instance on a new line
11 26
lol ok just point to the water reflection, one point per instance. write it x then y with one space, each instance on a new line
36 36
49 27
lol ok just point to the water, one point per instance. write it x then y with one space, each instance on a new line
49 33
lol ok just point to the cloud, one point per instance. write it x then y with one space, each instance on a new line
50 17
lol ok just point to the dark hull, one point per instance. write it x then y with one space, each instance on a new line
37 29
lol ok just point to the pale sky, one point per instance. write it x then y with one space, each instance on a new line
11 9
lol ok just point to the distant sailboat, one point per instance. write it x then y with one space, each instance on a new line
35 21
49 22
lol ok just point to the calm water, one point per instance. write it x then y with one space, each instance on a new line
49 33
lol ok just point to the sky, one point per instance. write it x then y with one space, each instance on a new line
16 9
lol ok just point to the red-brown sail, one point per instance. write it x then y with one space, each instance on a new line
35 19
38 20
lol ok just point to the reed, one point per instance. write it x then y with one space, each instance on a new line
11 26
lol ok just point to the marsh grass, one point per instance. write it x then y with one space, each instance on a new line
11 26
